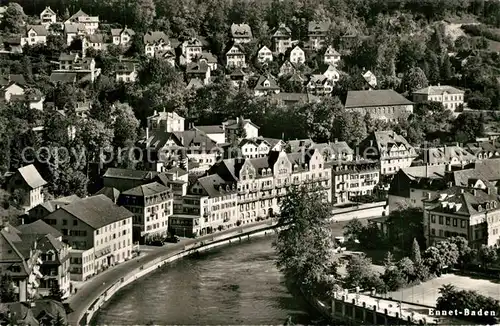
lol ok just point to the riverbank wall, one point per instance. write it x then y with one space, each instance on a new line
359 211
158 263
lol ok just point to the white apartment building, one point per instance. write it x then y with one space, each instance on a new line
331 57
167 121
449 96
98 231
122 36
156 43
48 17
297 56
264 55
353 179
235 57
35 34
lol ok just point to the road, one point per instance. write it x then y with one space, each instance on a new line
94 287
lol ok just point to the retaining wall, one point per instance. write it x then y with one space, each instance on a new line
361 211
157 263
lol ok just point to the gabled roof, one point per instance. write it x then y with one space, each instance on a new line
238 72
40 30
283 31
95 38
77 15
331 51
39 227
63 77
6 80
148 189
197 68
96 211
462 201
209 57
119 31
387 139
73 28
53 204
318 79
48 10
264 48
262 80
235 46
68 56
436 155
110 192
439 90
214 129
194 83
195 138
31 176
321 27
155 37
233 124
215 186
241 30
385 97
129 174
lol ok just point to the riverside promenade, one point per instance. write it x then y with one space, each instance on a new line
93 288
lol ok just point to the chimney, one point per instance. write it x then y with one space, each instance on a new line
147 133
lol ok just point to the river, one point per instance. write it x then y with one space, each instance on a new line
236 284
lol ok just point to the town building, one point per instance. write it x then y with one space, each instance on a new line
353 179
266 85
209 59
54 254
73 31
126 72
125 179
45 208
19 260
262 182
484 150
317 32
451 97
338 151
282 39
472 212
33 99
90 23
198 70
122 36
48 16
36 312
98 231
215 132
93 41
254 147
238 77
194 84
84 68
241 33
166 121
191 49
331 73
370 79
170 57
291 99
287 68
235 57
152 204
232 125
297 56
446 155
210 205
319 85
264 55
156 43
10 88
392 150
29 184
410 186
386 105
331 56
35 34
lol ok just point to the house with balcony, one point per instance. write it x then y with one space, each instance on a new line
317 32
155 43
254 147
73 31
98 231
166 121
48 17
191 49
84 68
266 85
210 205
231 125
264 55
126 72
391 149
319 85
235 57
451 97
35 34
282 39
386 104
19 260
54 255
297 56
198 70
263 182
353 179
331 56
122 36
472 213
152 204
411 186
241 33
29 183
90 23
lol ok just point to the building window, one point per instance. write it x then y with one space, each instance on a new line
448 220
75 222
433 218
440 233
455 222
433 231
463 224
441 220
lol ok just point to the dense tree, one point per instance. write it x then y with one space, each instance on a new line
144 13
7 293
125 125
353 229
414 79
487 255
360 273
416 257
13 19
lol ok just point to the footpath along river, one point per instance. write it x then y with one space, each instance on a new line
235 284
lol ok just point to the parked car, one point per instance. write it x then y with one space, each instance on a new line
172 239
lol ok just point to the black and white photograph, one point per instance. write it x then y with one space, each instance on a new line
249 162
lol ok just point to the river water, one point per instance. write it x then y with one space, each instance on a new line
235 284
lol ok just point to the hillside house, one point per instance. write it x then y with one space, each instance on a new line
387 104
155 43
449 96
48 17
27 180
191 49
266 86
241 33
90 23
235 57
35 34
198 70
317 32
122 36
319 85
297 56
331 56
264 55
282 39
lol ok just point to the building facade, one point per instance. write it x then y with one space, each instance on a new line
353 179
449 96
